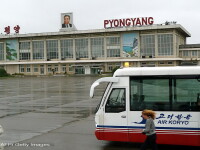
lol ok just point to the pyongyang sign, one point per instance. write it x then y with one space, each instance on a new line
128 22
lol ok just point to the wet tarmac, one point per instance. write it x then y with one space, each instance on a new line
53 113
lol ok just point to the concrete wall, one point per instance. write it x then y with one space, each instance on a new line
11 69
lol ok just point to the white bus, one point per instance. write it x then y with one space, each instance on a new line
172 92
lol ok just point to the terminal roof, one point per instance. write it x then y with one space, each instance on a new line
97 31
190 46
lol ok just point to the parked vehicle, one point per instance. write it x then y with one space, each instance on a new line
172 92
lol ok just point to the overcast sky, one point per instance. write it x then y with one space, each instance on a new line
36 16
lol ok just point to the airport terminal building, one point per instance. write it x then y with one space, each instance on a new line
99 50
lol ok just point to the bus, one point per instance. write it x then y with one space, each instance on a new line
172 92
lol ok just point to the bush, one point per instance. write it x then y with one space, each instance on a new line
113 71
3 73
18 74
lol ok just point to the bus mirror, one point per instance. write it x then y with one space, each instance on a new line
92 89
97 82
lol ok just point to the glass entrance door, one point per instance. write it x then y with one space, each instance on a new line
42 69
79 70
95 70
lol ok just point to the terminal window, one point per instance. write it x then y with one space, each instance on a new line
66 46
97 47
52 49
148 45
81 47
113 46
165 44
24 51
38 49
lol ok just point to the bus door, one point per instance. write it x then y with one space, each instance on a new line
115 114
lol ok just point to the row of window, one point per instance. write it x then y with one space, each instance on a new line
52 68
110 66
36 68
55 69
191 53
66 46
97 46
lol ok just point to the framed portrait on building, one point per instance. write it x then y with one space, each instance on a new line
67 22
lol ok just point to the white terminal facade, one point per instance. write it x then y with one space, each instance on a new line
97 51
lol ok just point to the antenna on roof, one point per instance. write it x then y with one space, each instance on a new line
170 23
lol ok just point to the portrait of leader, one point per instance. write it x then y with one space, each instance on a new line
66 22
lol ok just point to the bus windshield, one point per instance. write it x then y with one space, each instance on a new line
165 93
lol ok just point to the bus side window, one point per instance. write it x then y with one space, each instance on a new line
116 101
187 95
137 102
